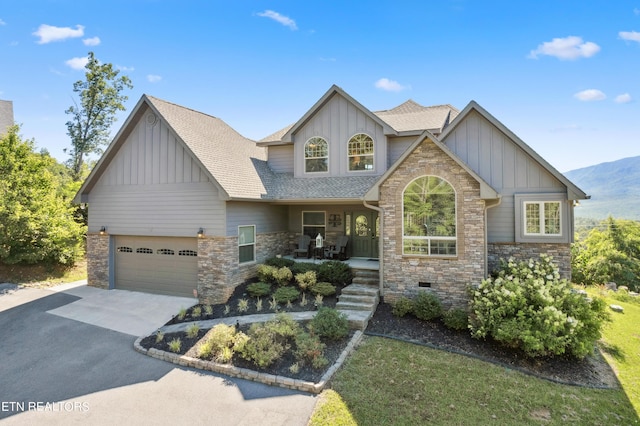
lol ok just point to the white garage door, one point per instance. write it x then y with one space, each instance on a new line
162 265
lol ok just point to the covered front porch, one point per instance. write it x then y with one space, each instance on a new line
354 262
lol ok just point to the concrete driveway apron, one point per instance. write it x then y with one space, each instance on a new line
66 357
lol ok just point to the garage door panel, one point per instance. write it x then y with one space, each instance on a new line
156 264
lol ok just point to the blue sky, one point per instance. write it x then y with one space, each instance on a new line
563 75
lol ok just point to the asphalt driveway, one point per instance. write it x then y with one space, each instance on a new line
66 356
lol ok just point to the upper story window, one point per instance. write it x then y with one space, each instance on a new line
316 155
542 218
429 218
360 152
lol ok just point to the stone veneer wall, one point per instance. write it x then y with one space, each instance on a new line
449 277
561 254
219 271
98 260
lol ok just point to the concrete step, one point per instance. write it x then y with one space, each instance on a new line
358 320
354 306
365 281
366 273
359 298
365 290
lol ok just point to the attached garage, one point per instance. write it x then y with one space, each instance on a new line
163 265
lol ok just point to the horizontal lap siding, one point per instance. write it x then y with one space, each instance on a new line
266 217
281 158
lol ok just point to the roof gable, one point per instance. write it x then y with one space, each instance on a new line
214 145
287 137
573 192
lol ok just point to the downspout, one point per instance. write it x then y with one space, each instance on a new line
486 234
380 211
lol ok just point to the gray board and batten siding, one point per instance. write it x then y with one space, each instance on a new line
508 169
153 187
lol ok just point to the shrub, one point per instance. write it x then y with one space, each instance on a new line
286 294
208 310
427 306
335 272
279 262
243 305
329 323
269 341
182 313
309 349
196 312
193 330
259 289
306 279
159 336
456 319
302 267
527 306
265 273
222 341
283 276
402 307
323 289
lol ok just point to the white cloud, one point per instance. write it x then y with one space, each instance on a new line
630 35
2 22
48 33
77 63
284 20
390 85
625 98
123 68
590 95
93 41
152 78
571 47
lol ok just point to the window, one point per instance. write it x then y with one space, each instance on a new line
316 155
167 252
124 250
360 152
190 253
542 218
144 250
247 243
313 223
429 218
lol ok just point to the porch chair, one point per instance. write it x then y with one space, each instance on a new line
304 242
339 251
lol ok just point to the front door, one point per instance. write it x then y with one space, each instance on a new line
364 232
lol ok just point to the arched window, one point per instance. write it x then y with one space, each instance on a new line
316 155
429 218
360 152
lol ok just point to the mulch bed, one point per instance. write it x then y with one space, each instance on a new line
593 371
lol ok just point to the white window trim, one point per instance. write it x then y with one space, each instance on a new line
315 226
542 219
305 158
243 244
372 155
430 238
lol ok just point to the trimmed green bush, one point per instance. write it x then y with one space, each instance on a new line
323 288
402 307
279 262
456 319
283 276
268 341
286 294
222 341
309 349
265 273
527 306
306 280
427 306
329 323
259 289
302 267
335 272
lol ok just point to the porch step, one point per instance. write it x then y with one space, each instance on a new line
366 277
359 302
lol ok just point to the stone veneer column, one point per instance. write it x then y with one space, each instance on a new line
448 277
98 260
219 271
561 254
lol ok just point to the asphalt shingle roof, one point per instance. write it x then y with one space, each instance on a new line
413 116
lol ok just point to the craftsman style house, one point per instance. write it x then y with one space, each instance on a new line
180 203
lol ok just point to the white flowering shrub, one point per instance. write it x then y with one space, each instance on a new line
527 306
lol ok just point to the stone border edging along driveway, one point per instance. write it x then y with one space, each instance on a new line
243 373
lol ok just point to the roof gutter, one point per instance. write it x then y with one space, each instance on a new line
486 233
380 211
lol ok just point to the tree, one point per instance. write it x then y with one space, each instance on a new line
100 99
610 252
36 218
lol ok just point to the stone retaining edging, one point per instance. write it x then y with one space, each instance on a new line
243 373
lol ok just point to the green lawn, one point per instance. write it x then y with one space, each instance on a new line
395 383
